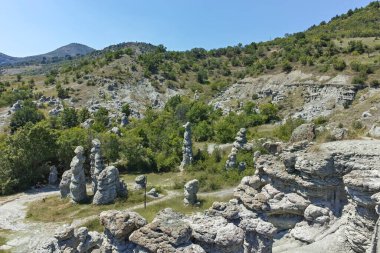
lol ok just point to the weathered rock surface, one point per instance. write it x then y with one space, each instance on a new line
190 192
78 181
118 226
303 132
109 186
96 164
140 182
64 185
311 199
311 192
68 239
187 148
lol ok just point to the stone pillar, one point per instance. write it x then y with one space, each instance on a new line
231 160
187 148
96 162
241 138
78 181
190 192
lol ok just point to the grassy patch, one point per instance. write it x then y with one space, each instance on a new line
177 204
94 225
3 240
55 209
164 180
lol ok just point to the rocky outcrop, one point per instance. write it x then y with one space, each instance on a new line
187 148
78 192
317 195
109 186
190 192
64 185
68 239
118 226
304 132
311 198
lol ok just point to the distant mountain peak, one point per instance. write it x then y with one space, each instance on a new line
69 50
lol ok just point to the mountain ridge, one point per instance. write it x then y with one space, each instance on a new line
66 51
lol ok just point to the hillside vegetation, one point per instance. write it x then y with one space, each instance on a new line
154 142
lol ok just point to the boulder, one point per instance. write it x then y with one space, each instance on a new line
303 132
153 193
108 181
168 232
140 182
215 234
190 192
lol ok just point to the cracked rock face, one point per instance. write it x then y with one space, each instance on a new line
64 185
328 194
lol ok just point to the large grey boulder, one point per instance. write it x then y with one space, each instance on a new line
216 235
121 224
168 232
109 185
64 185
303 132
190 192
78 192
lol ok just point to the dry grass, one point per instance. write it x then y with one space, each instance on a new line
55 209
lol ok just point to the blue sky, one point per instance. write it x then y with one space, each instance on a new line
31 27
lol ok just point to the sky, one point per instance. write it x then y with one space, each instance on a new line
30 27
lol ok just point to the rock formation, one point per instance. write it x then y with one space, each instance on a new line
68 239
190 192
53 175
321 198
187 148
310 198
140 182
231 159
64 185
78 181
118 226
96 163
153 193
109 186
241 139
303 132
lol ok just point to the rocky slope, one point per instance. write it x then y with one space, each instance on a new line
303 198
